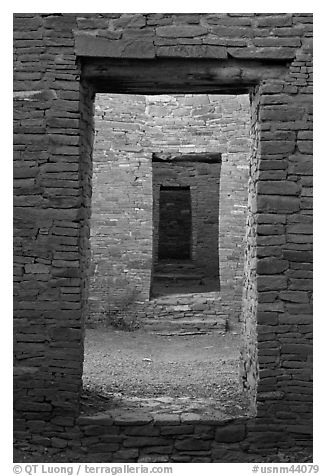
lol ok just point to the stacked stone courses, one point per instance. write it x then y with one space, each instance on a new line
59 65
124 225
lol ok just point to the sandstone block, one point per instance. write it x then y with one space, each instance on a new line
267 318
277 42
301 429
144 430
274 147
301 284
303 349
295 296
181 31
143 441
298 256
37 268
302 228
224 20
277 164
271 283
281 113
126 454
305 146
58 443
275 53
277 204
300 164
102 419
177 430
192 444
188 51
275 187
271 240
274 21
271 266
138 49
231 433
269 230
25 172
167 419
103 447
273 175
159 450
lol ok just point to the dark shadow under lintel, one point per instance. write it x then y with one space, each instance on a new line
209 158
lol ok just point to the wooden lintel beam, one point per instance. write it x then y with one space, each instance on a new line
167 76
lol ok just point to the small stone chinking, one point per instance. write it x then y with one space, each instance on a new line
53 137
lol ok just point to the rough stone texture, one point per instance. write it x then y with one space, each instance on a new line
124 238
203 180
52 147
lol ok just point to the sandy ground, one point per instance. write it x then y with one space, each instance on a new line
142 365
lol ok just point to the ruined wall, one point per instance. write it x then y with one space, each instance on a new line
203 179
214 124
50 215
129 129
121 225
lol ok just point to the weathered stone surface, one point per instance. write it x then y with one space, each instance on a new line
275 187
296 348
192 444
274 53
294 296
54 125
274 147
271 266
271 283
167 419
88 45
181 31
131 417
142 441
300 164
104 447
153 459
58 443
281 113
98 419
158 450
188 51
144 430
298 256
277 204
176 430
126 454
230 433
267 318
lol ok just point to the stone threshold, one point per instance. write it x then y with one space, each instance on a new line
165 409
143 417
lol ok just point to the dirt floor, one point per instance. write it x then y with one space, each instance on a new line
145 369
137 369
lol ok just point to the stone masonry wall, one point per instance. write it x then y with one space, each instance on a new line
121 225
129 129
214 124
204 182
268 55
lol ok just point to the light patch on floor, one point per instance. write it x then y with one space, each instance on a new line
163 374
